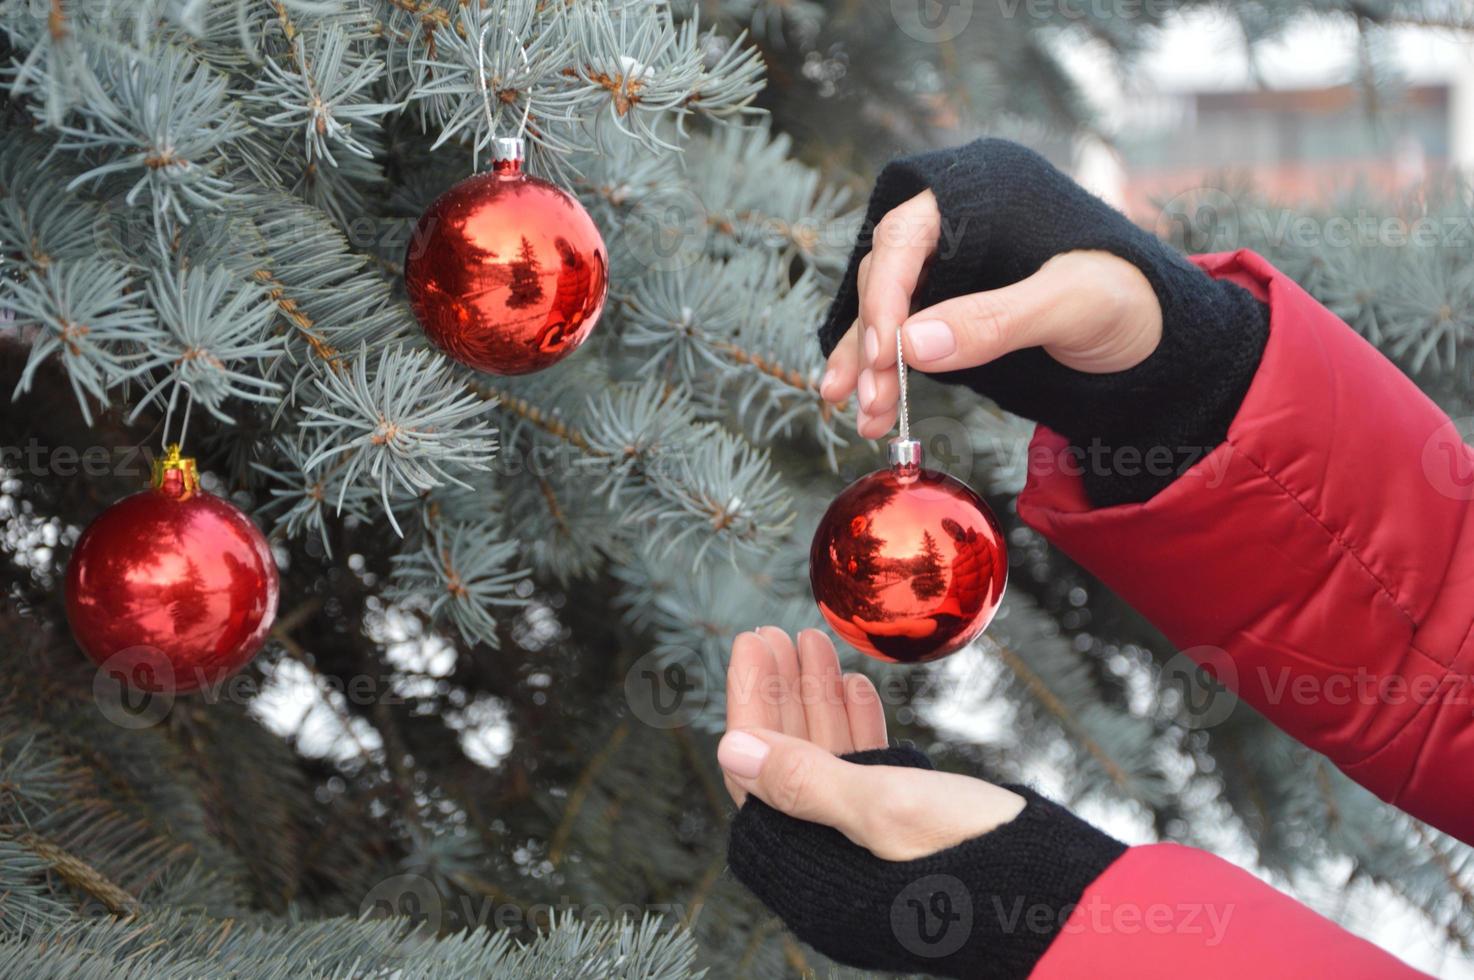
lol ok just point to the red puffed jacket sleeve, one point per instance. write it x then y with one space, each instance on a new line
1320 563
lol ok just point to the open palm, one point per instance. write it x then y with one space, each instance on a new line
791 714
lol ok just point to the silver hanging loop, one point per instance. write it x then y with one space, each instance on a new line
904 453
504 149
165 439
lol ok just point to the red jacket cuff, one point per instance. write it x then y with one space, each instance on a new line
1168 911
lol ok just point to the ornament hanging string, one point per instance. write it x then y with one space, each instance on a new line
904 452
165 441
901 381
486 90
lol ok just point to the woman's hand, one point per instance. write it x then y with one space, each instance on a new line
1089 310
865 851
791 714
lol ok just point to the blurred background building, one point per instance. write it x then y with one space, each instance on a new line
1299 115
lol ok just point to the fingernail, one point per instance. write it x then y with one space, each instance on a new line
872 345
930 339
867 388
827 382
742 754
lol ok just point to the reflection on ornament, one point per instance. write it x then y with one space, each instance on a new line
908 564
174 580
506 272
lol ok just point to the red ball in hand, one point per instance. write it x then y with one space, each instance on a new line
908 564
507 273
175 587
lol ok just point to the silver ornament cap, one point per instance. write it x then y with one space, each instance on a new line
905 456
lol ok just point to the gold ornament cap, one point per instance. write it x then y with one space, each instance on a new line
175 474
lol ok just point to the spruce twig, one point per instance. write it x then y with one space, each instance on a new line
82 876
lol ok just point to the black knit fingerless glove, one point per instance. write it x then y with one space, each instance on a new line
988 907
1005 212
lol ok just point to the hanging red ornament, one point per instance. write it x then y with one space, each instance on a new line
908 564
506 272
176 581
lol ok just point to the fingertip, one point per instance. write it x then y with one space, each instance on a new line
879 392
818 640
833 387
748 644
777 641
816 651
751 652
842 367
867 390
928 342
774 638
814 632
800 777
882 310
873 426
885 343
741 753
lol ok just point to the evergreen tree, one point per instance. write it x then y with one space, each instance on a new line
480 740
927 580
525 285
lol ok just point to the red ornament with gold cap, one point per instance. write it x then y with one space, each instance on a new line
173 587
908 564
506 272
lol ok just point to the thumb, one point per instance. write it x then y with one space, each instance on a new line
797 777
898 813
1063 301
972 330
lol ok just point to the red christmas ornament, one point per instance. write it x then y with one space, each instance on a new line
908 564
173 585
506 272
